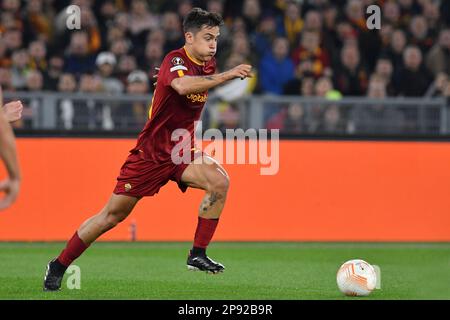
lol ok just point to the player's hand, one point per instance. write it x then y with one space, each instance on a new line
11 189
241 71
13 111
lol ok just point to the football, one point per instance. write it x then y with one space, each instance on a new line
356 278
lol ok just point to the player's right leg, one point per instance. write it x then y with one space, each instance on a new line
115 211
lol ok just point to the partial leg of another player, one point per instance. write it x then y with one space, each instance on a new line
115 211
210 176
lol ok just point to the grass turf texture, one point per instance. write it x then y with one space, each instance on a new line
253 271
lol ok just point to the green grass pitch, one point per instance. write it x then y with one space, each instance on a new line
264 270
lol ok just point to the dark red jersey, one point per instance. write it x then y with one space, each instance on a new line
169 110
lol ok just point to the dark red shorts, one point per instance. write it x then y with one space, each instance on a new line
141 177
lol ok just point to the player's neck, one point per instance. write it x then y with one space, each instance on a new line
192 57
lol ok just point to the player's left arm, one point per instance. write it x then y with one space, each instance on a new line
11 185
197 84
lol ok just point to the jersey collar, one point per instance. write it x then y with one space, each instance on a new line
192 58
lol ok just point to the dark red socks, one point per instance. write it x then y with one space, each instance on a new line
203 234
74 248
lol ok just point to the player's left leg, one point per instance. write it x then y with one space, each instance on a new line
210 176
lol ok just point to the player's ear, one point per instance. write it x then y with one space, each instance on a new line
189 36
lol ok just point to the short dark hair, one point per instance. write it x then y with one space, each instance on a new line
197 18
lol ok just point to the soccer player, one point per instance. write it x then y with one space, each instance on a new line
10 186
184 78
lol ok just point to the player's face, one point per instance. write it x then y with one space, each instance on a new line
204 42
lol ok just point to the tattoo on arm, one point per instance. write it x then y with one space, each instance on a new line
208 78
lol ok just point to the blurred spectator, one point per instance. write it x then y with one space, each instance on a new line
157 36
350 77
34 80
152 58
66 109
106 15
78 60
323 86
330 37
90 83
229 117
413 79
240 47
431 14
90 26
37 20
396 48
299 85
437 88
309 58
292 24
265 35
384 69
5 61
6 79
368 41
438 58
376 118
391 13
67 83
53 72
215 6
295 121
38 54
106 63
420 37
137 84
291 120
386 36
408 8
317 111
332 121
141 19
345 33
307 87
251 12
184 7
92 114
13 39
313 21
20 68
276 69
127 64
171 26
120 47
11 5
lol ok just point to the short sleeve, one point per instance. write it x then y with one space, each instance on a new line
173 67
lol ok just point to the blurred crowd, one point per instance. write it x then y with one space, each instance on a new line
306 47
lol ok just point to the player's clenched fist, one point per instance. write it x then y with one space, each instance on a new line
13 111
241 71
10 188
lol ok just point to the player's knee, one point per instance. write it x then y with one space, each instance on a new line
220 184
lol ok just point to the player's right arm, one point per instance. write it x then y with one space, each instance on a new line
11 185
198 84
